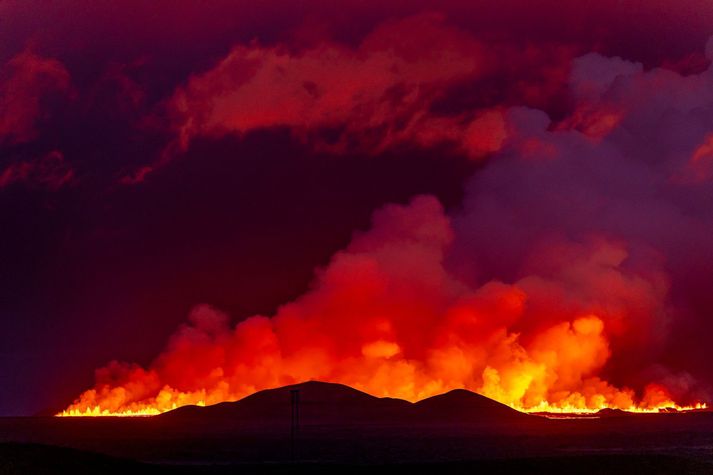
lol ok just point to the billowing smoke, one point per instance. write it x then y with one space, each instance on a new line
572 276
386 316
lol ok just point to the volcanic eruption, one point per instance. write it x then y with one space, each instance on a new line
569 275
386 316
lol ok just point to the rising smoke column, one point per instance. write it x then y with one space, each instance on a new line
629 164
387 317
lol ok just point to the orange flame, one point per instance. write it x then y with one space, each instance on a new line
543 407
386 317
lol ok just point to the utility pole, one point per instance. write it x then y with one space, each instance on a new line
295 423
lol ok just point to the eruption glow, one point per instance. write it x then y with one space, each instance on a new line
549 289
387 317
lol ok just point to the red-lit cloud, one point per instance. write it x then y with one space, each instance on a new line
50 172
372 97
27 80
382 93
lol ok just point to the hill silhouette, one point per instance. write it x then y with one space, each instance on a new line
339 405
339 424
467 407
320 403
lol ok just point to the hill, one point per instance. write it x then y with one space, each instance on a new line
319 404
329 404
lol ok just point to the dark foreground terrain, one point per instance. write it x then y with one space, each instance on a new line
344 430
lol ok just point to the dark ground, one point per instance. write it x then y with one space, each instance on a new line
350 432
42 459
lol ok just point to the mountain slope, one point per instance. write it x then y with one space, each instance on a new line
339 405
460 405
319 404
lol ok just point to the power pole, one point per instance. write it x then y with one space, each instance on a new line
295 423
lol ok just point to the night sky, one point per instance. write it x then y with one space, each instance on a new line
158 156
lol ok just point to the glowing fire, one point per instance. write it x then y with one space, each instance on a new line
388 318
543 407
96 411
670 407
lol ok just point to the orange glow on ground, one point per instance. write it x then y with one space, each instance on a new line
96 411
544 407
